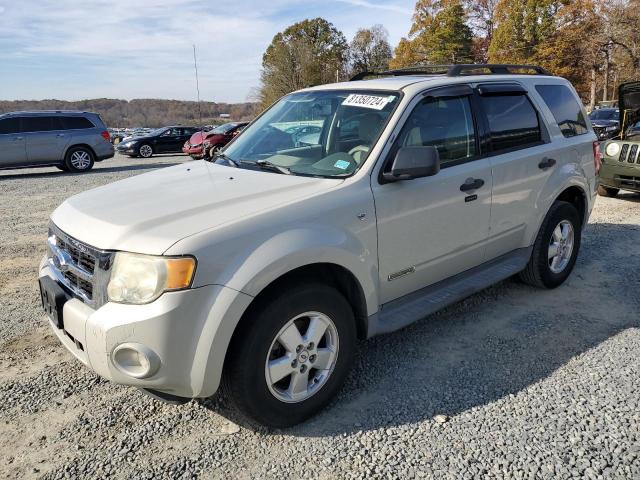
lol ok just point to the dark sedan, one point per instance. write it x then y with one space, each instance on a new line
161 140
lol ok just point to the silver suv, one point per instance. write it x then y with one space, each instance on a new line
262 267
69 140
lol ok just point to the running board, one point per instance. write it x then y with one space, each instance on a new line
405 310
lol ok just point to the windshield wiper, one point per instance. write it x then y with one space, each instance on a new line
229 160
267 165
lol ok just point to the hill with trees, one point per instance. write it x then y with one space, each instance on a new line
143 112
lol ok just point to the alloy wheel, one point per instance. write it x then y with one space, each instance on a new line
146 151
561 246
80 159
302 357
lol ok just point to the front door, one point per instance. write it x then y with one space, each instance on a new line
13 151
432 228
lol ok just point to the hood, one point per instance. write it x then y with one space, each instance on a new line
604 123
150 212
196 138
629 101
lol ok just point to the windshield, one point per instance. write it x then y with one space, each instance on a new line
224 128
319 133
605 115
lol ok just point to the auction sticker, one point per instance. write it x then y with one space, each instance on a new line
366 101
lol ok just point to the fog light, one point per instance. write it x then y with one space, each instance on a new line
135 360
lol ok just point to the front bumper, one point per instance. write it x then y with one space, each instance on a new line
185 332
620 175
132 150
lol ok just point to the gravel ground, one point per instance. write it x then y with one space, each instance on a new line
511 383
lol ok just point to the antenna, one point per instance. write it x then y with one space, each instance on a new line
195 66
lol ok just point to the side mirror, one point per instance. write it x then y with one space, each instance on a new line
414 162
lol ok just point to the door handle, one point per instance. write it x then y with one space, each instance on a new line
16 139
60 135
546 163
471 184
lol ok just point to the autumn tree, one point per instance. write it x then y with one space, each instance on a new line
520 26
481 20
439 34
370 50
310 52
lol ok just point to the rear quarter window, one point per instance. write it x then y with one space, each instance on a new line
565 109
75 123
513 121
9 126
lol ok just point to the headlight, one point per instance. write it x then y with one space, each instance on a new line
612 149
138 279
127 144
196 145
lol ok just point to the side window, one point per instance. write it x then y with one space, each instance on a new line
565 109
37 124
444 123
9 126
75 123
513 122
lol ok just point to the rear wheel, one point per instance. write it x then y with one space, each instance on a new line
291 355
145 150
607 191
215 150
556 247
79 159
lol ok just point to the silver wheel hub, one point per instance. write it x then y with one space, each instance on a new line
80 159
302 357
146 151
561 246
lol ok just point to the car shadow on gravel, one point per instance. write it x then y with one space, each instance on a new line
488 347
97 170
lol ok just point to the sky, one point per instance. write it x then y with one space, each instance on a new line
73 50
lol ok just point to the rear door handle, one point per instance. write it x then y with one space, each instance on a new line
471 184
17 139
60 135
546 163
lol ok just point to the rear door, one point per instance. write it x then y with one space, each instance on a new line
522 160
13 147
432 228
45 138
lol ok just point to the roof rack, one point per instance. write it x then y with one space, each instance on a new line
456 70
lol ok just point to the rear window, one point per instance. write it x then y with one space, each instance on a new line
513 122
75 123
565 109
9 125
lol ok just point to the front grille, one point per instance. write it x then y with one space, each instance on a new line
633 153
83 270
623 152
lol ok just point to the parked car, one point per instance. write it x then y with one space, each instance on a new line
214 140
263 268
606 122
161 140
69 140
621 159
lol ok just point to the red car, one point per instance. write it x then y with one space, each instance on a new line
214 140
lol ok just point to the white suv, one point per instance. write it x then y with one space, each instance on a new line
264 266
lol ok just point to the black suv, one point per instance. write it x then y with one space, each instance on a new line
161 140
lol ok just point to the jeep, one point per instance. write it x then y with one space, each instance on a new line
621 156
261 268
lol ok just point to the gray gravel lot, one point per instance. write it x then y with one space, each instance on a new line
511 383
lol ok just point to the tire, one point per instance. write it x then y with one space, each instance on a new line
145 150
79 159
257 343
607 191
215 150
543 271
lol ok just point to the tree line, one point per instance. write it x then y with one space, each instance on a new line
593 43
143 112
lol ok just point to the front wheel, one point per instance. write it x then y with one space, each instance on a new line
215 150
556 247
291 355
145 150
